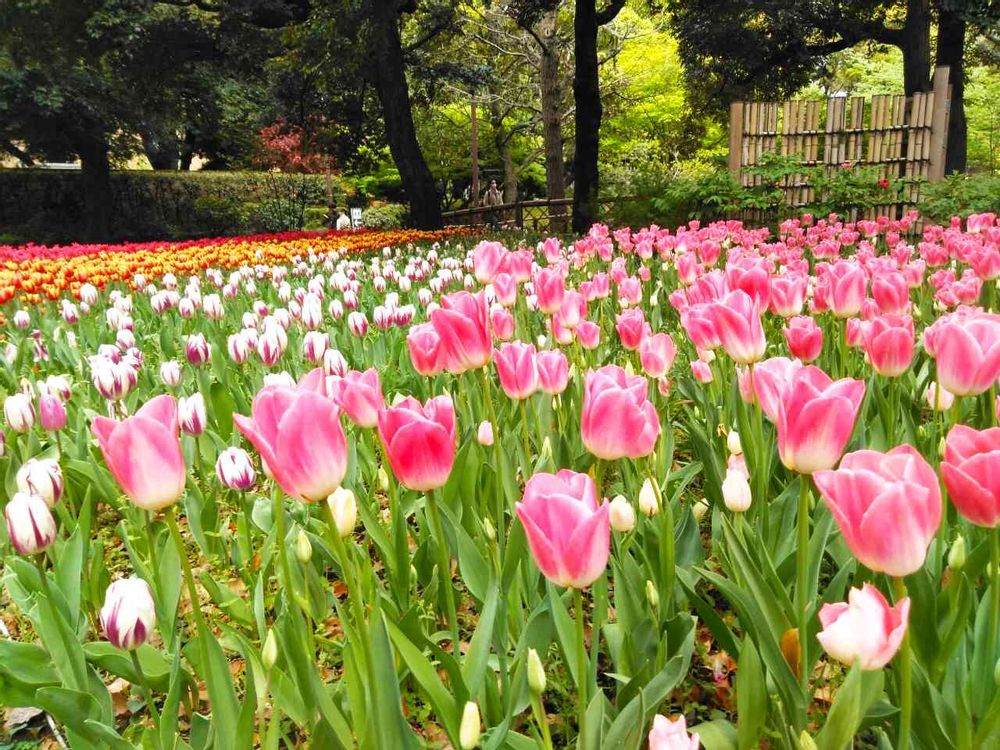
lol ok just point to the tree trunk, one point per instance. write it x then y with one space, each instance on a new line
551 95
96 182
501 140
389 76
916 47
951 52
587 95
162 149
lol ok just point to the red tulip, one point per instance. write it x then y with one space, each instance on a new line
143 453
887 505
864 628
516 368
816 418
889 342
569 534
971 473
419 441
804 338
359 394
298 434
618 419
462 323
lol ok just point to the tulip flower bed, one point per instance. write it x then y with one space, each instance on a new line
711 487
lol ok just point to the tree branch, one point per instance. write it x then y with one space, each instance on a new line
607 15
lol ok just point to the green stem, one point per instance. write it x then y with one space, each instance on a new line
538 709
147 692
582 671
667 553
175 534
444 567
398 522
355 593
802 569
526 470
995 584
905 679
501 499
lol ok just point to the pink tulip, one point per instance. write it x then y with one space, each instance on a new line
588 334
573 309
889 344
516 368
657 354
701 371
424 346
502 323
359 394
971 473
298 434
887 505
842 288
737 321
767 383
788 294
966 347
804 338
51 412
143 453
864 629
699 324
488 260
816 418
553 371
672 734
632 328
462 323
569 534
550 286
419 441
891 292
618 419
505 289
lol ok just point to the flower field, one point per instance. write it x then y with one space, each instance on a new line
709 487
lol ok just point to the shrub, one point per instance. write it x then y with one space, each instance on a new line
386 216
960 195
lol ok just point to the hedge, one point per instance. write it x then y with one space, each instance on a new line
47 206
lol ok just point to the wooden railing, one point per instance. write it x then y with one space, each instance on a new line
538 215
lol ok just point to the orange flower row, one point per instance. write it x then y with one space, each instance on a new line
35 273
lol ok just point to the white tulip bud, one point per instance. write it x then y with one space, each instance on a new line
344 508
648 504
536 673
269 653
471 728
303 547
733 443
736 492
622 514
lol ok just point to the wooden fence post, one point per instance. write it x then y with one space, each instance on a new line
939 124
735 138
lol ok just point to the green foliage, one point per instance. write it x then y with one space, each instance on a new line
48 206
278 215
387 216
960 195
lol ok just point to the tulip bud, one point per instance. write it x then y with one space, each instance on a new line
303 547
733 443
19 412
191 414
622 514
652 595
51 412
470 729
536 673
489 529
806 742
235 469
485 433
736 492
699 509
383 479
30 525
269 653
170 373
957 554
129 614
648 504
41 477
344 508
